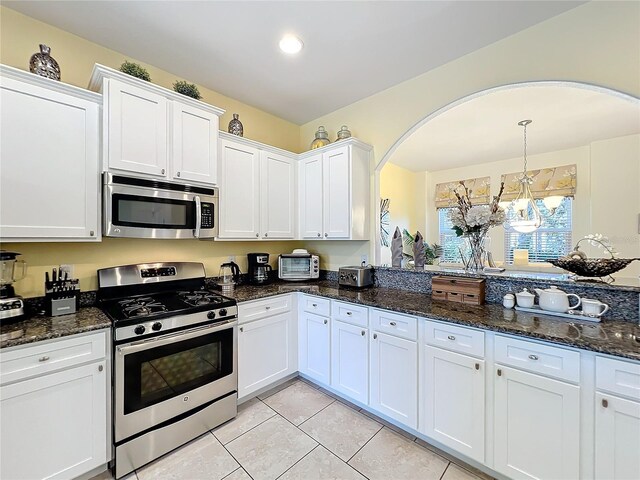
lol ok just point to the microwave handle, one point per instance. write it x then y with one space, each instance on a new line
196 232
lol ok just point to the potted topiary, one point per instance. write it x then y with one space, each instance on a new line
188 89
135 70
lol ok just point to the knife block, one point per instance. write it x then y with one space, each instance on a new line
56 304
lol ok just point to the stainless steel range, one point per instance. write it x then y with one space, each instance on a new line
175 363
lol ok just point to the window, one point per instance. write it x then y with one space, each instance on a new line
450 242
551 240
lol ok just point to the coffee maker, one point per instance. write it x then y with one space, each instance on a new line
259 268
11 270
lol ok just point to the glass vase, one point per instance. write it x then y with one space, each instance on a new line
477 248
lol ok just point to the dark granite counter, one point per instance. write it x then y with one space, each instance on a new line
614 337
40 327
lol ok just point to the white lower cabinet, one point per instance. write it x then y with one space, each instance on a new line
617 438
314 347
54 425
350 360
537 426
266 352
453 408
394 378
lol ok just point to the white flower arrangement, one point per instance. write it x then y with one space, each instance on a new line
603 243
467 218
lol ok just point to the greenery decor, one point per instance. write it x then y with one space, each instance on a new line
431 252
188 89
135 70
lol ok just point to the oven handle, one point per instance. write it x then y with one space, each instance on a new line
196 232
166 339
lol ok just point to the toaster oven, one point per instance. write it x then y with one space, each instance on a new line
298 265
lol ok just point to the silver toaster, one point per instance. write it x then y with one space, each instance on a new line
355 276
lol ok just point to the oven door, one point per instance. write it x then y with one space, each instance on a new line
163 377
142 211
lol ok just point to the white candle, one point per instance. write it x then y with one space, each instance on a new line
521 256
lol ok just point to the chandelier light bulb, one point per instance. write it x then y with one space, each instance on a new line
290 44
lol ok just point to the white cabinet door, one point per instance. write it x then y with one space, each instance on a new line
617 438
239 191
314 347
452 411
54 426
277 199
195 144
537 426
350 360
49 150
337 194
264 352
311 198
137 129
394 378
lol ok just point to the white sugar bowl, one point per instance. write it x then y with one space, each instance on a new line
509 300
525 298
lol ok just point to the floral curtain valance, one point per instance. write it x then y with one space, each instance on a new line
479 191
547 182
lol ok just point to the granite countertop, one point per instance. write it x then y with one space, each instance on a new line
41 327
614 337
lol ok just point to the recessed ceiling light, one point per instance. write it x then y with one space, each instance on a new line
290 44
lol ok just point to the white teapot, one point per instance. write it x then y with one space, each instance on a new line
555 300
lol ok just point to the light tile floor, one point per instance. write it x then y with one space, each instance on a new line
298 431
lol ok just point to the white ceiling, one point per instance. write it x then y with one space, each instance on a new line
351 49
485 128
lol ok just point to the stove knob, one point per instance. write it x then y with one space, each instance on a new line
139 330
223 312
156 326
211 315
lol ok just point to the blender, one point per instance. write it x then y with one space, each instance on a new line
229 275
11 270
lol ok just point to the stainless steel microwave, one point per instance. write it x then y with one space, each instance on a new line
299 265
143 208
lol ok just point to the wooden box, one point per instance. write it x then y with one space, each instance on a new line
458 289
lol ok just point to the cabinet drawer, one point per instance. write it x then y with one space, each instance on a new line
617 376
38 359
547 360
317 305
349 313
456 339
250 311
395 324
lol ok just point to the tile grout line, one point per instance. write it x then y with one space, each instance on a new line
226 476
321 410
298 461
231 454
365 444
255 426
445 471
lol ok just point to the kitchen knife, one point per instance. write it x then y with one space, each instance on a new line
54 275
47 282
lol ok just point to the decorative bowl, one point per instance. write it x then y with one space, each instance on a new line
592 267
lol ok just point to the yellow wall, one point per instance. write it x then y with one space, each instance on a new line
597 43
19 39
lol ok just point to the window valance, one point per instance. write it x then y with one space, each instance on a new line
479 191
547 182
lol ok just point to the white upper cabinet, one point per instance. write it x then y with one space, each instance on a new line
257 192
50 154
195 144
277 195
334 192
154 132
239 190
136 129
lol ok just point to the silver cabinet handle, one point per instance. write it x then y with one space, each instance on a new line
605 403
533 357
319 235
375 335
314 305
257 235
43 359
267 307
100 368
178 174
326 235
325 322
242 329
363 333
499 372
92 233
393 324
349 313
266 235
477 366
451 337
162 171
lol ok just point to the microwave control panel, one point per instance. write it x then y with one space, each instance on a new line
206 218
